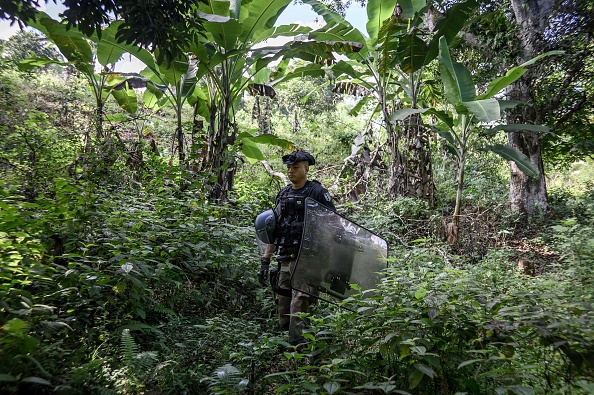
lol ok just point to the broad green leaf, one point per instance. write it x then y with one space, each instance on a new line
411 7
251 151
330 17
518 127
281 69
412 52
224 34
519 158
512 76
7 378
36 380
197 95
107 52
403 113
447 134
313 70
509 104
262 75
469 362
261 15
360 104
346 68
377 12
189 80
414 379
456 78
76 50
126 98
215 7
32 63
282 31
175 72
340 33
425 369
151 96
485 110
271 139
71 42
199 98
420 293
331 387
500 83
456 17
115 117
539 57
140 312
140 53
443 116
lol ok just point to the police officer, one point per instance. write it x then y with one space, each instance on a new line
286 239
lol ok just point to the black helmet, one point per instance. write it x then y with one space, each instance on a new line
298 156
265 224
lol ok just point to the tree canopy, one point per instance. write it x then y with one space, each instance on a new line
165 26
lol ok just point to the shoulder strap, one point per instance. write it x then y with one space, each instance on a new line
283 191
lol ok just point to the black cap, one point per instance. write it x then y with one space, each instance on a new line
298 156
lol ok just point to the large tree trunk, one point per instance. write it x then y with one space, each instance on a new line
528 196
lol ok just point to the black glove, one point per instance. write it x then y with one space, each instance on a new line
264 270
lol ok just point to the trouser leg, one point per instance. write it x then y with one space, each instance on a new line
299 304
283 303
289 308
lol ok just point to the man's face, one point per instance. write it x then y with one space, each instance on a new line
297 172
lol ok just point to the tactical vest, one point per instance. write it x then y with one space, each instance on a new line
290 209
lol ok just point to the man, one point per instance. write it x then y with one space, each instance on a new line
286 239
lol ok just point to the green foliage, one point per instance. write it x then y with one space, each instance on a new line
26 44
440 329
117 281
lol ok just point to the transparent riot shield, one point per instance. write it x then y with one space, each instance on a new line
336 253
261 246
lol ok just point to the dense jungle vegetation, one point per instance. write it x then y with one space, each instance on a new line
128 261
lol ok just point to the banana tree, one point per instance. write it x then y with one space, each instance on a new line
226 60
84 53
170 84
389 72
471 119
233 52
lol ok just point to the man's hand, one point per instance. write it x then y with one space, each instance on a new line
264 270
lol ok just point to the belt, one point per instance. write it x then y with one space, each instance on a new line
282 258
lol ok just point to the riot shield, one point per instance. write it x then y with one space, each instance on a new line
336 253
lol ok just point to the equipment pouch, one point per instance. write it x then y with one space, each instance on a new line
274 272
274 278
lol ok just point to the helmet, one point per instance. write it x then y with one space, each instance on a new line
265 224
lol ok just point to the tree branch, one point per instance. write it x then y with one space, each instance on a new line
274 174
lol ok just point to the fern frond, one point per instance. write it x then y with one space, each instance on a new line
226 379
128 348
145 361
157 308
